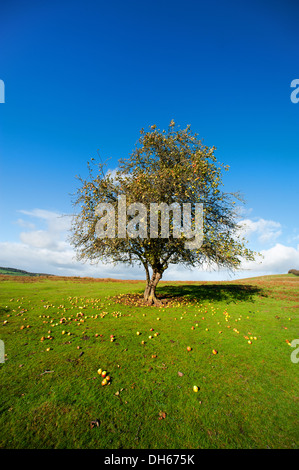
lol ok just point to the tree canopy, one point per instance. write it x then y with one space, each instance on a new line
168 169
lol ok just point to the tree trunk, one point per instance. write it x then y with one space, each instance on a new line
150 290
148 281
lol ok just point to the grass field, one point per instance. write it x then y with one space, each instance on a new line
57 332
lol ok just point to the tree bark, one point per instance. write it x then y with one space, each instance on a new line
148 280
150 289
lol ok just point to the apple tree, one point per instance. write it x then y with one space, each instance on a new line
167 170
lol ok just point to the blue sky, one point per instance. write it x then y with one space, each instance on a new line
87 76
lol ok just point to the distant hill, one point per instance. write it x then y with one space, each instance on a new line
20 272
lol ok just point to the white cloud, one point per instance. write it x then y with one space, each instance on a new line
278 259
243 211
46 250
43 239
293 237
52 261
40 213
53 237
112 173
25 224
55 222
266 230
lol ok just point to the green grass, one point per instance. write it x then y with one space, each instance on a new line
248 393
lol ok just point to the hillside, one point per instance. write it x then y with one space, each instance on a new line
19 272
